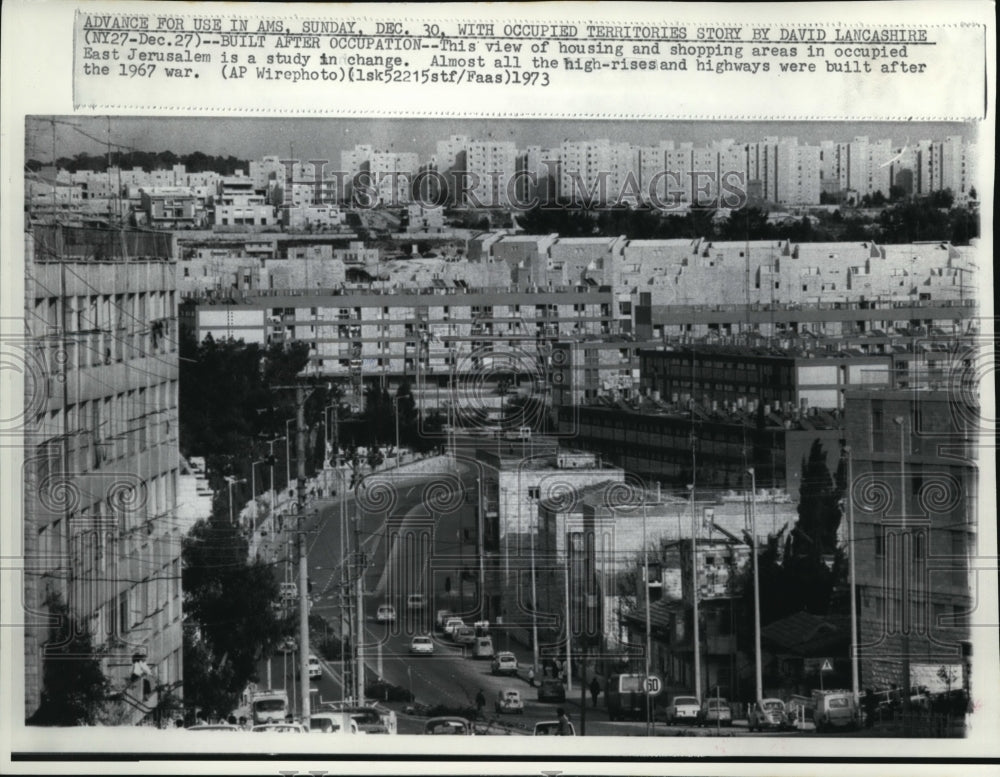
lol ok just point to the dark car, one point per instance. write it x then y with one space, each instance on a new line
551 690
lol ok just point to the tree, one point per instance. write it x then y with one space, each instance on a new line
74 687
229 605
815 533
942 198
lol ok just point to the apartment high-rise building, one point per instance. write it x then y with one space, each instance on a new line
101 456
490 167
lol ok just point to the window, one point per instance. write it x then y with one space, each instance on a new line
534 492
879 544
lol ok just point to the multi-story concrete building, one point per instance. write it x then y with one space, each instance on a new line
585 369
915 508
772 376
490 168
671 443
169 207
599 172
380 176
100 440
425 334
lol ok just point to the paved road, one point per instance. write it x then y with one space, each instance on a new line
418 532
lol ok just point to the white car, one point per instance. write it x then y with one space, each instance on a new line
386 613
422 645
331 723
280 728
453 624
683 709
315 670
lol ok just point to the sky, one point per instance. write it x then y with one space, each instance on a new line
325 138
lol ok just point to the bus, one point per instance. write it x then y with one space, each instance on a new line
625 696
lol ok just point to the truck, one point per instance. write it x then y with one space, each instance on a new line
268 706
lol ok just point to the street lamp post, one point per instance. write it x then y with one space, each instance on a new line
482 544
534 596
696 636
649 642
253 477
855 674
904 564
395 412
288 453
232 481
756 585
326 430
270 455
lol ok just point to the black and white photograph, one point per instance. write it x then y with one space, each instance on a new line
677 429
502 432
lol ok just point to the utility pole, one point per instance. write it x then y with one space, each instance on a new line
756 586
359 673
303 585
300 402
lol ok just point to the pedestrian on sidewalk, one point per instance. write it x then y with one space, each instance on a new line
480 703
563 730
595 689
531 676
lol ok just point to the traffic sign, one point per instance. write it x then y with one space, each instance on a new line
653 685
827 665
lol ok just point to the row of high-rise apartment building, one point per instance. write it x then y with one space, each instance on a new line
494 173
100 523
781 170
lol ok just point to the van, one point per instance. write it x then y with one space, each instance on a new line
464 635
834 709
482 648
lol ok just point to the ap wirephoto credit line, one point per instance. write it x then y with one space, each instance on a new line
672 433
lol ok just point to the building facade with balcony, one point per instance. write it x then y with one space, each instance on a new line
424 336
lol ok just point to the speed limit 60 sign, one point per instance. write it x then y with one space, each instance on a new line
653 685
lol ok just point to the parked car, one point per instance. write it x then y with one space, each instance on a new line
288 645
448 725
504 662
415 602
768 714
331 723
422 646
716 711
482 648
550 728
371 717
551 690
509 700
213 727
464 635
315 670
683 709
386 613
280 728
